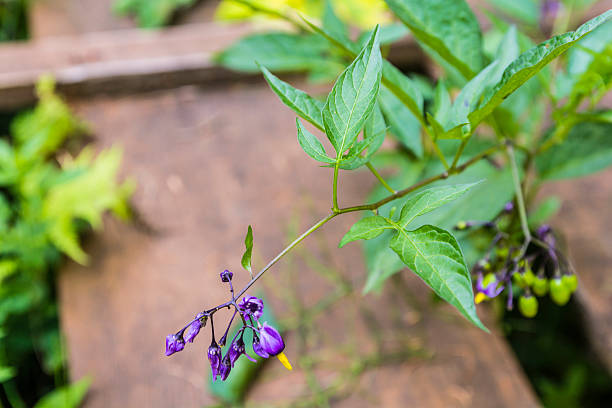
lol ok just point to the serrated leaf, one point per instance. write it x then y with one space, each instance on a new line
299 101
586 149
352 98
530 63
311 145
366 228
446 26
402 122
430 199
435 256
248 252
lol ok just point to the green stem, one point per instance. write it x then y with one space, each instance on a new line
372 206
335 189
379 177
519 193
459 152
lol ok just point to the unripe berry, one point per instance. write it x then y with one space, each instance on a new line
559 293
488 279
528 306
570 282
502 252
461 225
540 286
528 276
519 279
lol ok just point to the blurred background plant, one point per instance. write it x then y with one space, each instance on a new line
13 20
51 191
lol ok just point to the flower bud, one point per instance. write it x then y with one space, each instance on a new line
226 276
570 282
174 344
214 357
559 293
270 340
225 367
540 286
195 327
528 306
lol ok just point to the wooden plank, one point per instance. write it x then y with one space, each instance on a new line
208 162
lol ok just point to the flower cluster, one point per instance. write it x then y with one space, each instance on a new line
508 266
267 341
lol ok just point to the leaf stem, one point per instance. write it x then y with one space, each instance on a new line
335 189
459 152
519 192
379 177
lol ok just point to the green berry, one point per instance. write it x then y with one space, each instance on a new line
528 306
461 225
540 286
519 279
502 252
570 282
488 279
528 276
559 293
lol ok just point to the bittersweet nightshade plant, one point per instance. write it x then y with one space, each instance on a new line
474 149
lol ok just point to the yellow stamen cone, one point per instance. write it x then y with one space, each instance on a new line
284 361
479 297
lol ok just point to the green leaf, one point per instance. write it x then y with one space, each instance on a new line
469 97
374 132
332 24
311 145
151 13
435 256
587 149
6 373
246 257
299 101
530 63
69 396
404 88
430 199
402 122
526 11
546 209
279 52
352 97
366 228
446 26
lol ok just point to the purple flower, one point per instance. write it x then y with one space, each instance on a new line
257 348
194 328
226 276
214 357
270 340
251 305
236 349
487 287
509 207
225 367
174 344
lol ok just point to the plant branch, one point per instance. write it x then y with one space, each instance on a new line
379 177
519 193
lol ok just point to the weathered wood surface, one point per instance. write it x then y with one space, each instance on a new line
208 162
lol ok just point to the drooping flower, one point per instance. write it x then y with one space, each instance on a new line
236 349
251 306
174 344
225 367
194 328
270 340
487 287
226 276
257 348
214 357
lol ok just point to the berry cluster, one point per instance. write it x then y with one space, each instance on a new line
509 267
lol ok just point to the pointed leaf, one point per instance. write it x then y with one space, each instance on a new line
332 24
404 88
352 97
529 63
430 199
246 257
435 256
311 145
446 26
366 228
299 101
